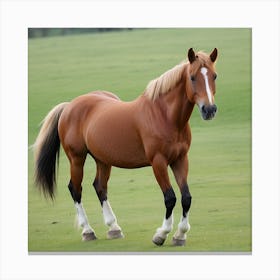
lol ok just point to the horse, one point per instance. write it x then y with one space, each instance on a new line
152 130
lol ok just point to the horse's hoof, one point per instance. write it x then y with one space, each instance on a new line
87 236
178 242
158 240
115 234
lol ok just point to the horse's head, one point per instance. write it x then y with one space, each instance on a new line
201 76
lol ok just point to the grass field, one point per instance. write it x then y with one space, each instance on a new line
61 68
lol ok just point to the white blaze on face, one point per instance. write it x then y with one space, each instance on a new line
203 71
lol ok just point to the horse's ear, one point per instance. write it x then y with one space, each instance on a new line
213 55
191 55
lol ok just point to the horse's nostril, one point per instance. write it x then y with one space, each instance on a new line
208 111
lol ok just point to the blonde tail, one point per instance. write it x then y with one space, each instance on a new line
46 151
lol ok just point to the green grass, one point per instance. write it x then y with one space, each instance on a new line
62 68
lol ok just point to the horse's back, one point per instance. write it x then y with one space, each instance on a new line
103 94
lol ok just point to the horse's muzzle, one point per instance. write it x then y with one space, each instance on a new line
208 112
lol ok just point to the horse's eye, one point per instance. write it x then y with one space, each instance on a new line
192 78
215 76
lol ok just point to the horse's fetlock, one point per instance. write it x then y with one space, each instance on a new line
184 227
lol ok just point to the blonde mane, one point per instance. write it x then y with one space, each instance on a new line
165 82
168 80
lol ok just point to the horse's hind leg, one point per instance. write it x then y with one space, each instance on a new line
75 188
100 184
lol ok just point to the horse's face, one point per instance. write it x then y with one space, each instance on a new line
201 82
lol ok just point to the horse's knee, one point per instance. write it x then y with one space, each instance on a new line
170 201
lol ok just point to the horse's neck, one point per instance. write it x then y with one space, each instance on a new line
178 107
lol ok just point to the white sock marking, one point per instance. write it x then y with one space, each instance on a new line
203 71
184 225
166 227
167 224
183 228
82 218
109 216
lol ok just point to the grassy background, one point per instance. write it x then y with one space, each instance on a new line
61 68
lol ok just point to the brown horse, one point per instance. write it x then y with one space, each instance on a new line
152 130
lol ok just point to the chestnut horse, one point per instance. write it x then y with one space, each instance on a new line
152 130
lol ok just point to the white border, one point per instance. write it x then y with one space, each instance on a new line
262 16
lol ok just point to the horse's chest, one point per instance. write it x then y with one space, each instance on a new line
173 151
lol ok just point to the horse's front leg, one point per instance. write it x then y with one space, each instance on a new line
159 165
180 170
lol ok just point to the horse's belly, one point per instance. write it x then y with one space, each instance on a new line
124 156
115 141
